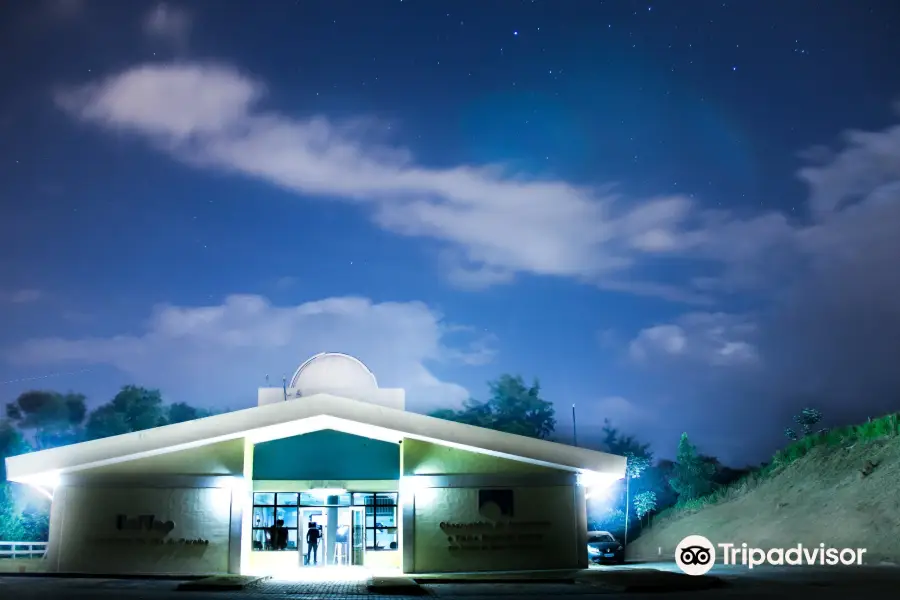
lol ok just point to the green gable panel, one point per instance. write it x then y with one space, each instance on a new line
326 454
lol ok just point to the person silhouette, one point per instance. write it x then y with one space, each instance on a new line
312 543
281 535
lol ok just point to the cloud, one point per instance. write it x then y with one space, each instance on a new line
494 224
714 339
219 355
24 296
168 24
623 413
825 335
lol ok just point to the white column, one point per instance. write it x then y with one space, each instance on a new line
331 530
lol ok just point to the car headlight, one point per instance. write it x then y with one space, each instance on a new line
592 550
619 548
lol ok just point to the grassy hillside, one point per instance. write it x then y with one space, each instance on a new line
841 488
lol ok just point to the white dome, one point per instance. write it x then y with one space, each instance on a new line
333 371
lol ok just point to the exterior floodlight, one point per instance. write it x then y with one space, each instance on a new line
592 480
47 480
412 484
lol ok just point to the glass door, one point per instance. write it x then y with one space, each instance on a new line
342 537
357 535
312 518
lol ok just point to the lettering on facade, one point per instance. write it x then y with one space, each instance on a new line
150 541
145 523
486 536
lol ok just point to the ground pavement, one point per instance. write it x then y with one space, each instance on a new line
773 582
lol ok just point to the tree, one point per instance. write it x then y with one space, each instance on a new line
656 479
179 412
644 504
615 442
11 444
634 466
807 419
691 475
513 407
54 418
612 520
134 408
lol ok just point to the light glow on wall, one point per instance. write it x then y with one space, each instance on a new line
44 483
595 483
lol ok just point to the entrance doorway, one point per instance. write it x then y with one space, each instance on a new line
341 536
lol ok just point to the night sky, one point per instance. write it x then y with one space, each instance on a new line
681 216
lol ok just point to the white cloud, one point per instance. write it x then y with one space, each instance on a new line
169 24
715 339
621 412
221 354
494 224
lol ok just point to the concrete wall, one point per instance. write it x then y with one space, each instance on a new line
452 535
84 537
195 489
448 526
326 455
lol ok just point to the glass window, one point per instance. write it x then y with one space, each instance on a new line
268 507
363 499
311 500
386 539
289 515
380 519
287 499
264 499
263 516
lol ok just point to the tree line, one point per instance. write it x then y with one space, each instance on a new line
37 420
41 419
649 486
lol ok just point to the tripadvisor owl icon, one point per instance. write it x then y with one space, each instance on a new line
695 555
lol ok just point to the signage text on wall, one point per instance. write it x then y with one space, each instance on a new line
482 535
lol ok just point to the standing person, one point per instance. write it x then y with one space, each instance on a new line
281 535
312 543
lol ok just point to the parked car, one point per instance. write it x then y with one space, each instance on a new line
604 548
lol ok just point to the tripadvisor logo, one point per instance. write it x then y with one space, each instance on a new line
696 555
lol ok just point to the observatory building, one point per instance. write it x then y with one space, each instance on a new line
329 452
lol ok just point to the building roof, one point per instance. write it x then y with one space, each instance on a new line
296 417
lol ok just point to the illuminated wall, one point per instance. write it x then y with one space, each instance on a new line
87 536
541 534
484 513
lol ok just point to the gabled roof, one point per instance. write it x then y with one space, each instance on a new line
296 417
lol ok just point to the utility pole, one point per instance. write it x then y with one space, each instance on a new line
574 428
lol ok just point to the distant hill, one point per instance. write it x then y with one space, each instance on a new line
841 488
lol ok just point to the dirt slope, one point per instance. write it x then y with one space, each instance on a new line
820 498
